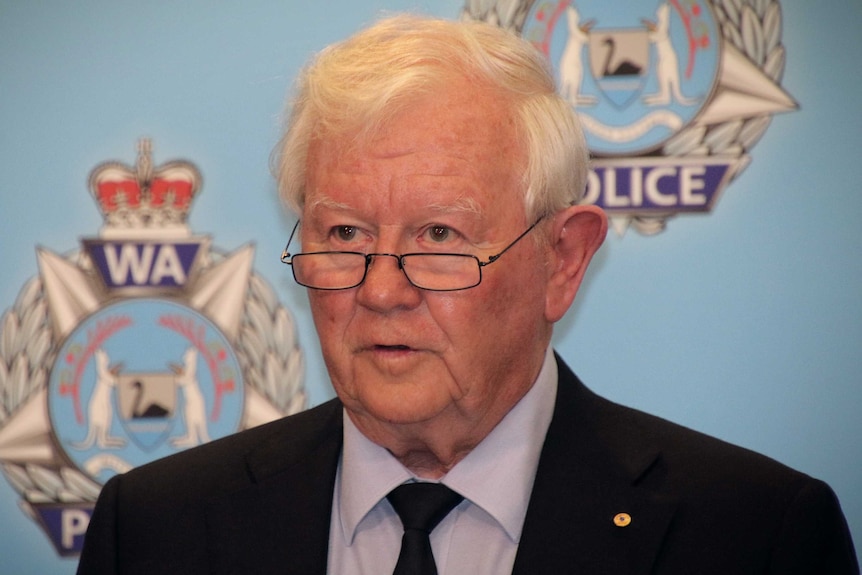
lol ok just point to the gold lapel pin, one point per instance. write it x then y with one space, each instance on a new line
622 519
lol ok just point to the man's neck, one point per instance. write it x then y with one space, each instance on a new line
432 447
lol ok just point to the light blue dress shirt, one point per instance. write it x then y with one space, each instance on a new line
481 535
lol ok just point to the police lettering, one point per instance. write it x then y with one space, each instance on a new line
646 187
73 526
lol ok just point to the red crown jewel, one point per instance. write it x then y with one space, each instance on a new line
143 196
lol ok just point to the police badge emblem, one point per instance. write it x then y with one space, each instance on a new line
672 94
145 342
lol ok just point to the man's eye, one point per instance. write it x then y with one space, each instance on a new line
345 233
439 233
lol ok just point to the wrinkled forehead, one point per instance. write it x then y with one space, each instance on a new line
464 139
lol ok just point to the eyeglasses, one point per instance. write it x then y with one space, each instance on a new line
331 270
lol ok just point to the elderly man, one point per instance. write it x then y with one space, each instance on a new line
436 173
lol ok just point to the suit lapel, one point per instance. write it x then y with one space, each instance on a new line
592 469
280 522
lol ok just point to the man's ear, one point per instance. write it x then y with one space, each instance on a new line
577 234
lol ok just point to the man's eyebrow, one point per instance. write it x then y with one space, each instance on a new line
462 204
326 202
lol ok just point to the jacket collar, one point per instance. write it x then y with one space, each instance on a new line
593 469
279 523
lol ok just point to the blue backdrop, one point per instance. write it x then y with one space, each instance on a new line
745 323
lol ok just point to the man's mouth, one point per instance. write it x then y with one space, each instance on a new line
392 347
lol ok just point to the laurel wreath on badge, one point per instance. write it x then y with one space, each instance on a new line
266 347
751 26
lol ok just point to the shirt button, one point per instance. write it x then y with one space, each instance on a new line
622 519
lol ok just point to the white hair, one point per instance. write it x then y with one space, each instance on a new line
353 87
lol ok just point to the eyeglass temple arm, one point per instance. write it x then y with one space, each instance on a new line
492 259
285 255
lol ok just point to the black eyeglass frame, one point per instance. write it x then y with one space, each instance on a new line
287 258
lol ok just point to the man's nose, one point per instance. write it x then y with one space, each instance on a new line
386 286
385 268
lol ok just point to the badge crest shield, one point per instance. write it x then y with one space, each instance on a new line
146 403
619 62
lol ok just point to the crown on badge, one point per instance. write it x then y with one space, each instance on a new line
143 196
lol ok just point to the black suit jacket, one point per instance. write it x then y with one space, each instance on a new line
259 502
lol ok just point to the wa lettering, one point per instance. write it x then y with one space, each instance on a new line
135 264
144 264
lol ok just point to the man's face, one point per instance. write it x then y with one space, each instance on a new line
443 176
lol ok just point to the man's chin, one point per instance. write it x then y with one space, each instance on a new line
391 406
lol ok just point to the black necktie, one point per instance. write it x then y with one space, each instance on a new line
421 506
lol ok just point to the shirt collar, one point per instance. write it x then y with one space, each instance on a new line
497 475
367 473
